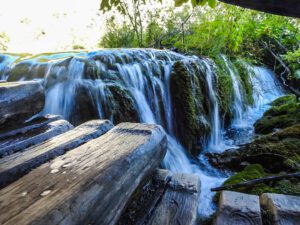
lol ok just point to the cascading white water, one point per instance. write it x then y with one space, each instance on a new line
215 140
146 75
238 102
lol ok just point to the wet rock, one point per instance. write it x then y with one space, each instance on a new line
190 107
123 108
280 209
19 101
284 112
276 152
27 70
238 208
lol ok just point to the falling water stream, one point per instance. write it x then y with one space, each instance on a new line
146 75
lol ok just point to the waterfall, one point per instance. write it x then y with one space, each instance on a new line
238 97
215 140
93 82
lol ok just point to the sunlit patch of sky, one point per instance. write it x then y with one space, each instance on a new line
52 25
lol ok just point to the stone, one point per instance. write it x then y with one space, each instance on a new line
238 208
94 181
281 209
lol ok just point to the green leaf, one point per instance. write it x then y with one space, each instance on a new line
212 3
180 2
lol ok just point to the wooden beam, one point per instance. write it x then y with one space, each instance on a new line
279 7
88 185
20 100
20 141
164 198
17 165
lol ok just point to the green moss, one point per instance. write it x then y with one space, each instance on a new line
255 171
225 89
276 152
287 99
189 105
244 71
123 106
279 116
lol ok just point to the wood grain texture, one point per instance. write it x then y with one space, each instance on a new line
164 198
28 126
179 202
20 141
20 100
89 184
238 208
279 7
280 209
16 165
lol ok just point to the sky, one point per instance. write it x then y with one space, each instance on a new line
35 26
51 25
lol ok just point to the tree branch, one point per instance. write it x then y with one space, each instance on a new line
256 181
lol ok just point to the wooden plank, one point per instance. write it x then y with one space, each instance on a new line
164 198
34 136
20 100
179 202
238 208
89 184
279 7
28 126
16 165
280 209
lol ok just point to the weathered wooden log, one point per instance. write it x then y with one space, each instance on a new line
89 184
20 100
164 198
280 209
16 165
279 7
238 208
27 126
253 182
34 136
179 203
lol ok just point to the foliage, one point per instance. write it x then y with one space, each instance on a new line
118 36
4 39
227 29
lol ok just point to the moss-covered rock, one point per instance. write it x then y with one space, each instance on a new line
123 107
189 105
287 99
284 112
276 152
245 71
225 90
256 171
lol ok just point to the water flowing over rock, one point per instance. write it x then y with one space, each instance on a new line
184 94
